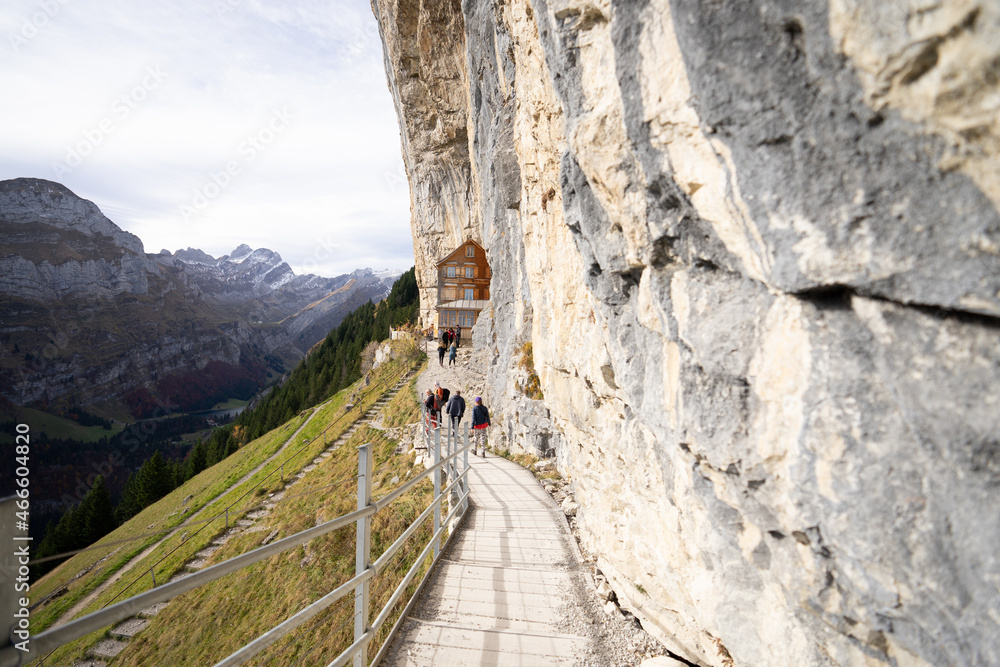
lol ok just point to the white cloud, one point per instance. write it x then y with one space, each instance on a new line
162 97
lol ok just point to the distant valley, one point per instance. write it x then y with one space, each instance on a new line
88 318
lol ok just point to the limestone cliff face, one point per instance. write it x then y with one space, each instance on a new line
755 245
85 254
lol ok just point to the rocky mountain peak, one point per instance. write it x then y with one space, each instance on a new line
33 201
195 256
241 252
55 243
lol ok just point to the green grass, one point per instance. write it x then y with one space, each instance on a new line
331 420
231 403
60 427
163 515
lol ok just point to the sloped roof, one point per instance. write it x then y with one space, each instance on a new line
460 246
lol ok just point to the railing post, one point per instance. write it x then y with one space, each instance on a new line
453 465
466 467
437 490
363 554
426 430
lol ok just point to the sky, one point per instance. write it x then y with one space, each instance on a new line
211 123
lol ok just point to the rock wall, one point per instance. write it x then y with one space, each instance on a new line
755 247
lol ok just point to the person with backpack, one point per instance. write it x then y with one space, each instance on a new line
456 409
441 351
452 353
433 409
480 422
442 394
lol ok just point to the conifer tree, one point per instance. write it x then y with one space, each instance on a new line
130 503
197 460
95 515
155 479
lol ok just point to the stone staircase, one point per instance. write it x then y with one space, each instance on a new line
249 523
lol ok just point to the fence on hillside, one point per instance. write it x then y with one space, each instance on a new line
450 478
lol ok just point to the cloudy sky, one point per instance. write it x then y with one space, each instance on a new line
210 123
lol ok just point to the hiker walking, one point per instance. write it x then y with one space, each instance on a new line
433 409
480 422
452 353
456 409
442 394
441 351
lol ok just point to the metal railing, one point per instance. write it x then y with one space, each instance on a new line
450 476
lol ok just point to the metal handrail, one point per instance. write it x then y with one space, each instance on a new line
55 637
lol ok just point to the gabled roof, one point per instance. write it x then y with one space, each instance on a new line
461 245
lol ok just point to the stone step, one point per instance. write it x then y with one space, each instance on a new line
131 627
233 531
198 564
206 552
244 523
90 663
150 612
256 514
107 648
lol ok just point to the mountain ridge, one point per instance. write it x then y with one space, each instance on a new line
91 319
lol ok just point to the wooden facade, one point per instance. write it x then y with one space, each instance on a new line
463 287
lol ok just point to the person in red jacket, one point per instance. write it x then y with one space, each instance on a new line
480 422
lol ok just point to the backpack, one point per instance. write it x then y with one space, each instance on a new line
445 393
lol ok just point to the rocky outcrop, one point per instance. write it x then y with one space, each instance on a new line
56 245
755 247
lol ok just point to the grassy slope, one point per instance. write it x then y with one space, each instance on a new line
163 515
293 514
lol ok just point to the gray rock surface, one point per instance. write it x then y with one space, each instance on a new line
755 247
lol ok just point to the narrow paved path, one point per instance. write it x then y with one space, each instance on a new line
498 595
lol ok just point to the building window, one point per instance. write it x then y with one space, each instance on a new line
450 271
469 292
469 270
451 318
470 251
466 318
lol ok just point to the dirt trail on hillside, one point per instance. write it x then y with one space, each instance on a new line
82 604
461 376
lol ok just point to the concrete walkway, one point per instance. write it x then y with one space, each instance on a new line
497 595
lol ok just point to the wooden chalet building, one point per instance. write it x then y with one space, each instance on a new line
463 288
